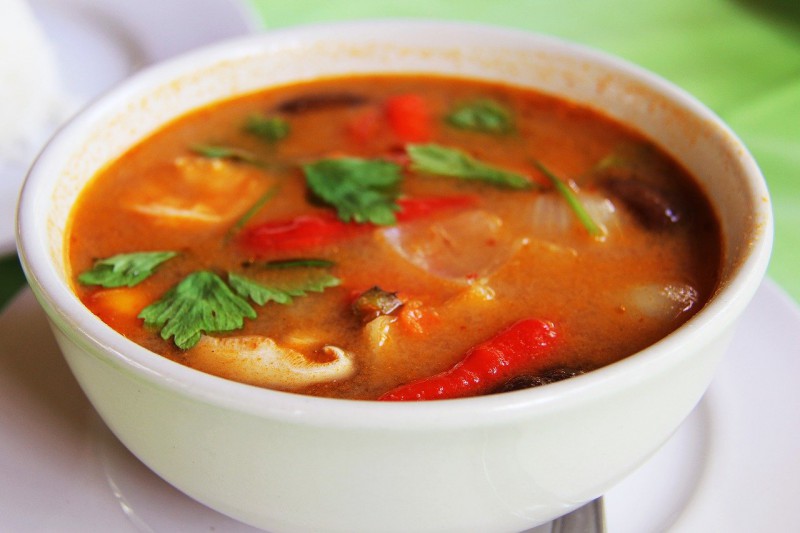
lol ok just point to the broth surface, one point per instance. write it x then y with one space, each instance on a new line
462 271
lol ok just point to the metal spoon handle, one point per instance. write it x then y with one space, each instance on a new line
589 518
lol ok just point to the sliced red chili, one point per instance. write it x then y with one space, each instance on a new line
299 233
522 347
416 208
312 231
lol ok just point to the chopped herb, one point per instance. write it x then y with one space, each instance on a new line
201 303
487 116
300 262
226 152
443 161
610 161
261 294
124 269
361 190
594 229
375 302
255 208
271 129
626 155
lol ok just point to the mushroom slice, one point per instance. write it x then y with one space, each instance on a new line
653 208
261 361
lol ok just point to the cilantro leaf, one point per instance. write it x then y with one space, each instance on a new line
124 270
487 116
444 161
201 303
261 294
271 129
363 190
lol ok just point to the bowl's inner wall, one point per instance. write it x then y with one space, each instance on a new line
161 95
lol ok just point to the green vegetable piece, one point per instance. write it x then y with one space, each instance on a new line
261 294
361 190
201 303
226 152
594 229
627 155
299 262
271 129
486 116
443 161
254 209
124 270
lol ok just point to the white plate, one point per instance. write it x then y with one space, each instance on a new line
733 466
100 42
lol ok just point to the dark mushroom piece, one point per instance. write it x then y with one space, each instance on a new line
320 101
528 381
649 205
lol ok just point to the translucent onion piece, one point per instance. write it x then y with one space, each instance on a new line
661 301
261 361
548 215
197 190
378 331
464 247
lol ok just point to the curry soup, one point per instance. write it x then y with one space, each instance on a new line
394 237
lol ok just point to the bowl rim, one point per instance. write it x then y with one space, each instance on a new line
69 315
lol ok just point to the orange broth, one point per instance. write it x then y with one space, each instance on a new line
526 256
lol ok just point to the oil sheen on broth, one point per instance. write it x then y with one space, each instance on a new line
349 236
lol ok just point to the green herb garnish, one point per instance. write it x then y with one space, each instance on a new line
124 270
594 229
300 262
201 303
443 161
361 190
255 208
484 115
261 294
271 129
226 152
626 155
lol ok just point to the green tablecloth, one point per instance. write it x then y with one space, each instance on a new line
740 57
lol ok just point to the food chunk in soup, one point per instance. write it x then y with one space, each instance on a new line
394 238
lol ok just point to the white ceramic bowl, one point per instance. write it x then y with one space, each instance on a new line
286 462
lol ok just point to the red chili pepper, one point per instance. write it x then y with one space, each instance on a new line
416 208
522 347
300 233
311 231
409 117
